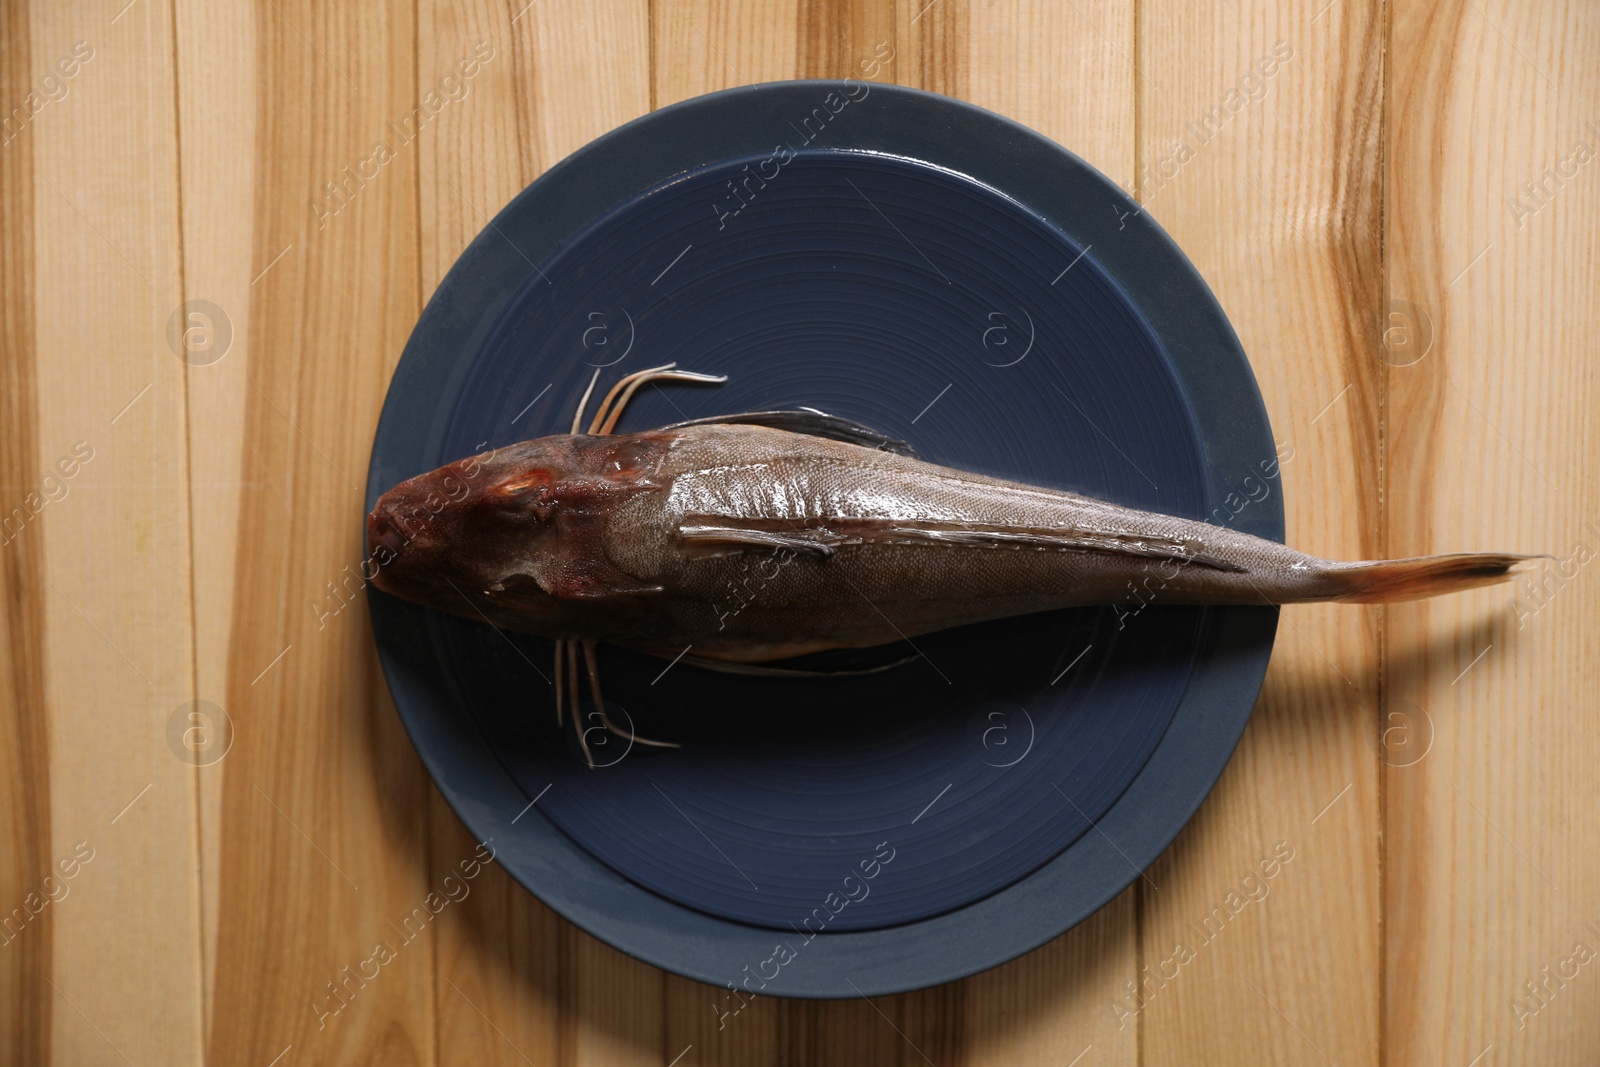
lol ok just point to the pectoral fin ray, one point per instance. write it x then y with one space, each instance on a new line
710 538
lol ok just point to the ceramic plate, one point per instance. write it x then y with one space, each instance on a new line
939 273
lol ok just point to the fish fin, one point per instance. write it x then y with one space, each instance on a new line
709 538
1387 581
812 422
762 670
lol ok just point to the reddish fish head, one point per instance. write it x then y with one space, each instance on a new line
494 535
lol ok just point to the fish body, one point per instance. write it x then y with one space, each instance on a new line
768 536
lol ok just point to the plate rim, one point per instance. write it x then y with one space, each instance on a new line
1207 360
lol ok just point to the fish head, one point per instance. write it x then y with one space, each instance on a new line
504 534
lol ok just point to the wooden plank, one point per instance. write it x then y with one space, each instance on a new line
113 547
216 58
322 872
500 960
1064 70
1489 864
535 988
700 46
26 1003
710 45
1259 138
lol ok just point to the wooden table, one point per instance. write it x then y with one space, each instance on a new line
1352 181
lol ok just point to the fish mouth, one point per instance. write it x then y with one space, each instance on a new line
385 542
401 542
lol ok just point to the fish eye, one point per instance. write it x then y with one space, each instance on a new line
525 494
521 484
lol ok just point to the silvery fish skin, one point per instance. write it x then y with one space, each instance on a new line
752 542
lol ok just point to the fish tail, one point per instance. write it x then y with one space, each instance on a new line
1386 581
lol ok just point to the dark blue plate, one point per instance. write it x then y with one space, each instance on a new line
939 273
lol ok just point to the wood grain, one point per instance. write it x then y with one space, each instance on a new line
1063 70
27 1007
702 46
1395 219
116 628
1489 864
1259 154
322 797
217 54
516 983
